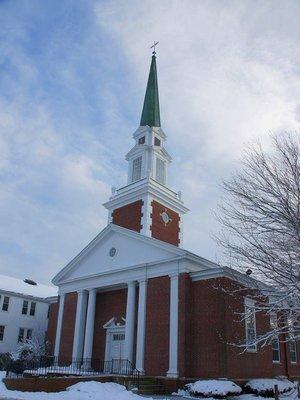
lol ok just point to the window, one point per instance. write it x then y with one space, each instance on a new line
156 141
118 336
136 169
293 351
275 342
250 325
24 334
142 140
2 328
5 303
25 307
160 171
21 335
32 308
276 350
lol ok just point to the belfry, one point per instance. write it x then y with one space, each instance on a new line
146 204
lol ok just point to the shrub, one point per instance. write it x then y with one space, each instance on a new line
265 387
217 388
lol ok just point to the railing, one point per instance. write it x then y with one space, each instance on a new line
53 366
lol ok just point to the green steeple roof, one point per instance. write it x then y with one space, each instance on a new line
150 114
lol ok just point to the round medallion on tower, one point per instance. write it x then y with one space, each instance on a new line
165 217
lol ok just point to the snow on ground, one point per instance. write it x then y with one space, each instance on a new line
80 391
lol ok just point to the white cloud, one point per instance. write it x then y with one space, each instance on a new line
73 84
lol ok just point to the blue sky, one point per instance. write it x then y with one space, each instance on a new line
72 81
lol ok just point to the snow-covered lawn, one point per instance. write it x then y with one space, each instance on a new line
80 391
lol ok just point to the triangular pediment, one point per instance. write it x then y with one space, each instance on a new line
115 249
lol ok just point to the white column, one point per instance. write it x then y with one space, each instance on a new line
129 330
59 324
173 335
79 325
89 328
141 327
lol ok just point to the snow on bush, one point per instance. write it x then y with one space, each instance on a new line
212 388
265 387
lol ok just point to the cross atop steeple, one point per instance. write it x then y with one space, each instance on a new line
153 47
151 113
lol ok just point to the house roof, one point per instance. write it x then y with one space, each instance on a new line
18 286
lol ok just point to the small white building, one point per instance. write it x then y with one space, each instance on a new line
24 307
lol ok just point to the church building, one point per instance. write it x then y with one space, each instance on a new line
134 293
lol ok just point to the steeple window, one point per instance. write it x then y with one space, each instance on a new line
156 141
160 171
136 169
142 140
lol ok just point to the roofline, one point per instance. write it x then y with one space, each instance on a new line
231 274
17 294
116 228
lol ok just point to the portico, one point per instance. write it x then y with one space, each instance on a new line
85 320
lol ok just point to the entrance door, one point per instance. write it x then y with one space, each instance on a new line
117 346
117 352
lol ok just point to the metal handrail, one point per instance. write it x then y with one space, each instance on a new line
54 366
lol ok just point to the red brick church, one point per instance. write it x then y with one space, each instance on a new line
135 294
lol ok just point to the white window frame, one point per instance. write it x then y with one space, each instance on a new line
249 306
293 342
25 334
274 326
136 174
159 162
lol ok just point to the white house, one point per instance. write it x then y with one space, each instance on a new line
24 307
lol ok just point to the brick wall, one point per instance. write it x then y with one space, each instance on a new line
242 363
157 326
51 329
129 216
68 326
108 305
207 346
215 324
167 232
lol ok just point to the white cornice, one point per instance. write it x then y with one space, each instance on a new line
144 129
225 272
146 186
109 228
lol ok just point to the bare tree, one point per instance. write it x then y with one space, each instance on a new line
260 230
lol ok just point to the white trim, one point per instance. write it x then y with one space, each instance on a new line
141 326
59 324
89 326
225 272
250 303
173 330
79 324
114 228
144 186
130 323
111 328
